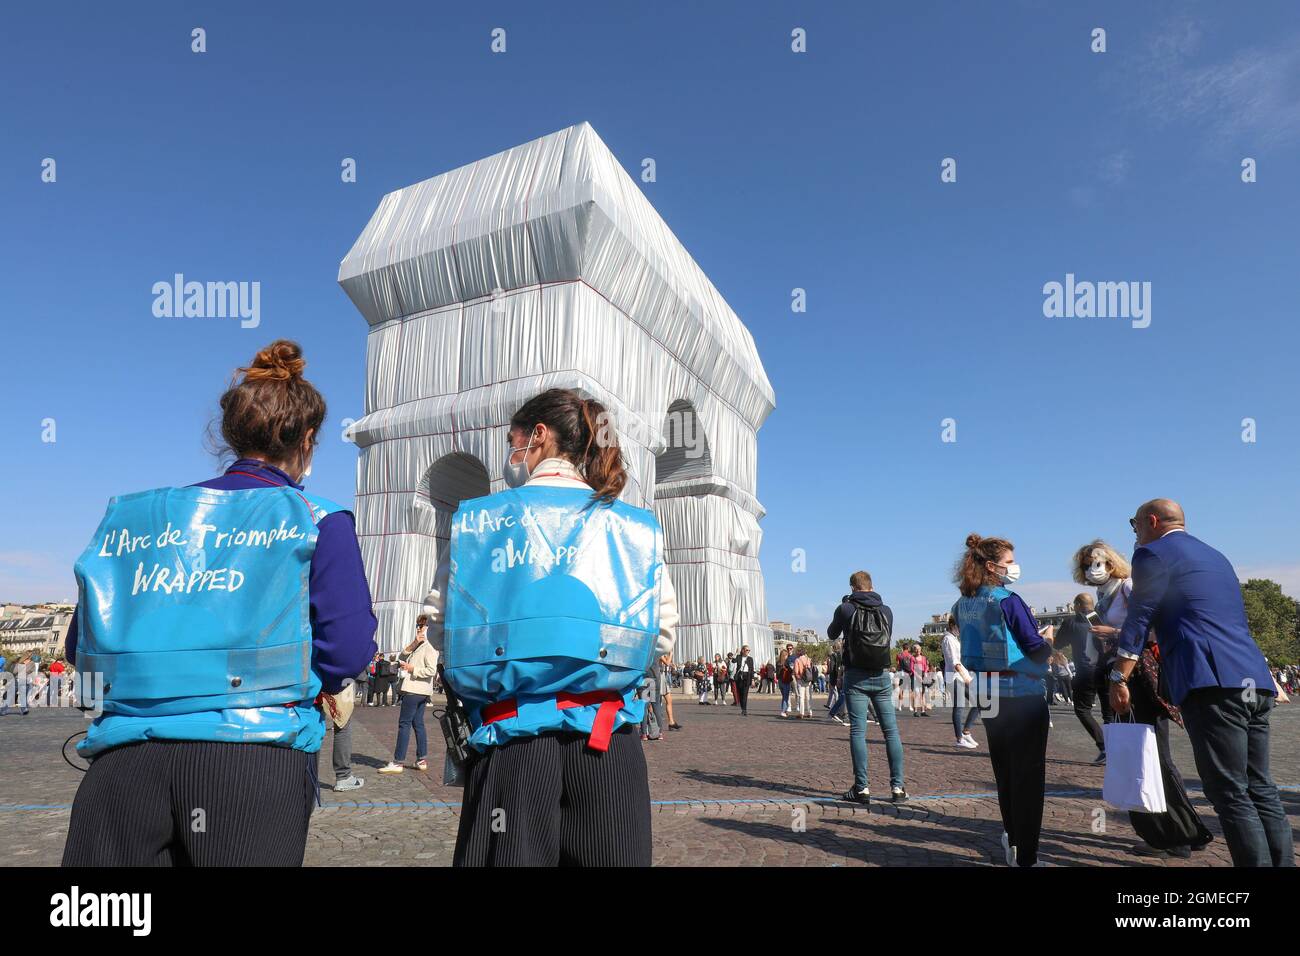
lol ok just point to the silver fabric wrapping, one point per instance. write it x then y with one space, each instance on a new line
545 266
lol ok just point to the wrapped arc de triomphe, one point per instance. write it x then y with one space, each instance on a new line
545 266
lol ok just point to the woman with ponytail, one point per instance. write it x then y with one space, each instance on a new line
214 623
557 606
1002 647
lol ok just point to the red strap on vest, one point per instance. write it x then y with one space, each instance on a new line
248 474
501 710
611 702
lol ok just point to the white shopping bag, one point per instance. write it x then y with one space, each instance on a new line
1133 780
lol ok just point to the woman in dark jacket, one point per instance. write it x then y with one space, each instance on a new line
215 617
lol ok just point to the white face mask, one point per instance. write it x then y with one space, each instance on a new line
1097 575
1011 574
516 475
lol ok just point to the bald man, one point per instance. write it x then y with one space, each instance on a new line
1189 594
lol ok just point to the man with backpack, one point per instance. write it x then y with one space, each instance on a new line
867 624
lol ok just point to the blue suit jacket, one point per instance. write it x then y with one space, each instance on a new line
1190 594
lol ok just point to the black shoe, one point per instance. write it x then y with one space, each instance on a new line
899 795
1146 849
674 726
1101 757
1181 852
854 795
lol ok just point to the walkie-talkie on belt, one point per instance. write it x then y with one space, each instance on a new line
454 722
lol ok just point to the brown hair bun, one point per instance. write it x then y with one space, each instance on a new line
973 540
270 413
280 361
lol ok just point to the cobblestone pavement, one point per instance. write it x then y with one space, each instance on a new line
727 790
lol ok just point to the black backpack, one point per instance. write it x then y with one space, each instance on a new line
866 639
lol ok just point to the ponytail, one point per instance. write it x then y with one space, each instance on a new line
584 435
970 574
602 463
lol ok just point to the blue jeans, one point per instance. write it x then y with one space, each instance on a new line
1229 736
785 697
862 689
412 715
963 718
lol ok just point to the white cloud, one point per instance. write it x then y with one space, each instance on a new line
1250 96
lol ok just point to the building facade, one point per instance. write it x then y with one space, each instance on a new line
40 630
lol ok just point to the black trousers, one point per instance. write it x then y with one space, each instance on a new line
550 800
1018 749
193 803
1180 825
1088 686
742 692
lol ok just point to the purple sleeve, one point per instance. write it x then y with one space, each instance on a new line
342 622
1023 627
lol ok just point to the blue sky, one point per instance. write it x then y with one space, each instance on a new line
776 170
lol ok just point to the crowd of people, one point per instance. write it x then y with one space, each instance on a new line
1164 640
35 682
557 671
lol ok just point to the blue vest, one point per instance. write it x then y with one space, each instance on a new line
988 647
550 597
193 606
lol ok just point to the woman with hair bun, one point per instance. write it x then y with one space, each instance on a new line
551 607
1001 644
220 616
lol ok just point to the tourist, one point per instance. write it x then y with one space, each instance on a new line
785 677
744 677
804 672
671 670
866 624
1086 649
921 682
959 679
417 667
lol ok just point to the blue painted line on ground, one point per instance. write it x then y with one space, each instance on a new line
697 802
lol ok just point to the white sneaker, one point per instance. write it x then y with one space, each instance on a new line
838 719
1007 849
965 743
391 767
973 742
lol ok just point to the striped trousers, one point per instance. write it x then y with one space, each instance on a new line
550 800
193 803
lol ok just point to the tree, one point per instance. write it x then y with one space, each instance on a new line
1274 620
